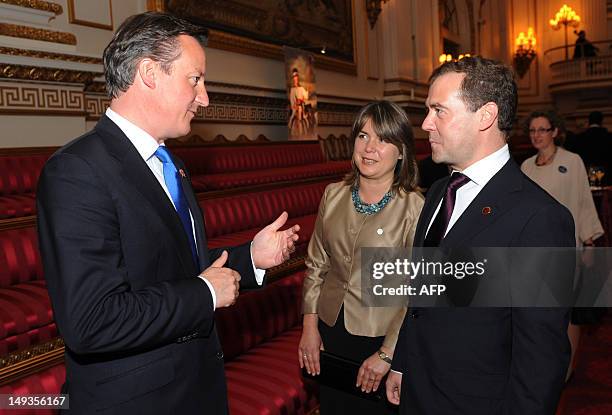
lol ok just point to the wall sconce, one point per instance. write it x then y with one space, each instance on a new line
566 16
525 52
373 9
443 58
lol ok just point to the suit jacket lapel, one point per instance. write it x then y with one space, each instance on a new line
435 194
136 172
490 204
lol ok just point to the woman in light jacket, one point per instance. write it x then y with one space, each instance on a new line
563 175
375 206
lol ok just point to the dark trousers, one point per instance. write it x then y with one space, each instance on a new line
339 341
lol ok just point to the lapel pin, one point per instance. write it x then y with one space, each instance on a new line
486 210
182 173
563 169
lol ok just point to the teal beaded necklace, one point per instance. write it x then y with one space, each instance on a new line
367 208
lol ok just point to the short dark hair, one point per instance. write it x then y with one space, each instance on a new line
596 117
390 122
147 35
485 81
553 119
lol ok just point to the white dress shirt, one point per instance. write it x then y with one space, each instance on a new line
146 146
479 174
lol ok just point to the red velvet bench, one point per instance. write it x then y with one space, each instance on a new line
223 167
26 318
18 180
211 168
232 220
259 335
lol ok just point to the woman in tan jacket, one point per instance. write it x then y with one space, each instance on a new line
375 206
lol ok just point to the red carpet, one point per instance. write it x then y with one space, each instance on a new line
590 391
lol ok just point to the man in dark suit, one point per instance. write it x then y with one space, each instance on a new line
481 360
132 282
594 145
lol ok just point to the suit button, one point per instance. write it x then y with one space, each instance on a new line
219 355
352 231
347 258
414 314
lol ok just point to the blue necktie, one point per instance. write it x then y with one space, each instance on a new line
173 182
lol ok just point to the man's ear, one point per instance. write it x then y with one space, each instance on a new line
147 72
487 115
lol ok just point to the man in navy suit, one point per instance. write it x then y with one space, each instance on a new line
481 361
131 280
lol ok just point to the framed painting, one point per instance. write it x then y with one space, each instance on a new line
262 28
98 14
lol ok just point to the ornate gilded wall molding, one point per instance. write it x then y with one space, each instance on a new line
96 105
238 44
88 98
41 99
26 32
49 55
36 73
156 6
45 6
23 355
34 359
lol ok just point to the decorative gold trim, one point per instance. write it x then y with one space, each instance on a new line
49 55
244 87
26 32
156 6
34 351
239 44
36 73
45 6
34 359
197 140
74 20
288 267
17 223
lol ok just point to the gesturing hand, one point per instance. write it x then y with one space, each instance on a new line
272 247
225 281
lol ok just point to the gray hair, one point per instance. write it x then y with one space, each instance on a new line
147 35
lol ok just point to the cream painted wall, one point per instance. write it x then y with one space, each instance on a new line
33 131
91 41
222 66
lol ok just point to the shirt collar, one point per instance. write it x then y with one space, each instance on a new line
484 169
145 144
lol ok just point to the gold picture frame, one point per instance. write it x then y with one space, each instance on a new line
75 19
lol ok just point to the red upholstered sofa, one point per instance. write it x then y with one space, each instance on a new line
223 167
231 220
260 336
270 335
25 309
18 180
211 168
